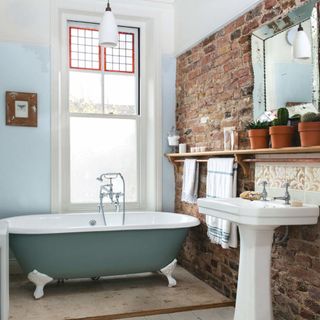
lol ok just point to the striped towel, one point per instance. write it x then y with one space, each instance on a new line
222 183
190 181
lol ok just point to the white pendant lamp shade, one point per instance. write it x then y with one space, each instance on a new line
301 45
108 32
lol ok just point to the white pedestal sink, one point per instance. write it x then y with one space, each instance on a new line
257 221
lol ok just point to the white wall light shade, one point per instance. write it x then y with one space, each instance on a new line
301 45
108 36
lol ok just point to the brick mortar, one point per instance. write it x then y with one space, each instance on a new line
215 80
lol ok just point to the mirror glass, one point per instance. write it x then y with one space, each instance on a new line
280 79
284 87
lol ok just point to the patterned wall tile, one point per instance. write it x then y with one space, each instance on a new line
295 176
277 176
262 173
304 180
312 179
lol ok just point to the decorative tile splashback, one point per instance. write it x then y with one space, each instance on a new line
304 180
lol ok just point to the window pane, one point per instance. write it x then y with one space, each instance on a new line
83 41
100 146
120 94
85 92
123 51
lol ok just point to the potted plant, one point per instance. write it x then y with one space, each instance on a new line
258 132
281 134
309 129
294 121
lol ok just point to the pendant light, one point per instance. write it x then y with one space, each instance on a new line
108 37
301 45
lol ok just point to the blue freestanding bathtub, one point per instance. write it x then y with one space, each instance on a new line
78 245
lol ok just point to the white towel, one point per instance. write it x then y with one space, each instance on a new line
190 181
222 183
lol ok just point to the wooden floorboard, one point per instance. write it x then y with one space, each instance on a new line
156 312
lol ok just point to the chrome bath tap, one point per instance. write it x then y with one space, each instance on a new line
107 191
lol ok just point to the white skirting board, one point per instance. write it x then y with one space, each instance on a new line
4 271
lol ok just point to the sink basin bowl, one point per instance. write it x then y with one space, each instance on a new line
271 213
257 221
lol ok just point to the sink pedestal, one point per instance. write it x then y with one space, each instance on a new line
257 221
254 284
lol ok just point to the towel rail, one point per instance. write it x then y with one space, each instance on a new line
198 160
305 160
245 157
238 159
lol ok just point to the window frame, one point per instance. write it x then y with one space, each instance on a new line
134 63
63 199
69 50
102 53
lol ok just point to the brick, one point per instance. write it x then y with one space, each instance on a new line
303 246
269 4
215 79
209 48
313 306
307 314
247 91
240 21
303 260
251 26
314 293
309 276
310 233
256 12
235 35
316 264
272 15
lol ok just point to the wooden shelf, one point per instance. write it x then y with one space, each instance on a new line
303 160
245 157
291 150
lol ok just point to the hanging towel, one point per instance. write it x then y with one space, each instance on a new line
222 183
190 181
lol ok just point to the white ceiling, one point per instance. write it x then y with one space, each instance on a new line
196 19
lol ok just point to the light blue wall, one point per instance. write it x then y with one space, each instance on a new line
25 152
168 120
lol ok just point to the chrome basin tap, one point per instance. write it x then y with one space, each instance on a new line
286 196
107 191
264 193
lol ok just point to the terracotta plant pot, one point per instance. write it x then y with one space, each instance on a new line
259 138
281 136
296 136
309 133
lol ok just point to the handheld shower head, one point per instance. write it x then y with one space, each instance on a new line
109 176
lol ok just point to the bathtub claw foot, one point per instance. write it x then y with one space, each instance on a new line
168 271
40 280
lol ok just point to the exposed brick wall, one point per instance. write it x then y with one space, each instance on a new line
215 80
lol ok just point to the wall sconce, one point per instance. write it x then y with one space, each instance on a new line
108 36
299 39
